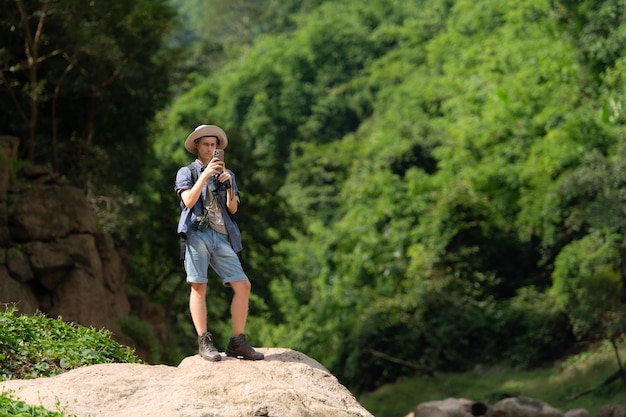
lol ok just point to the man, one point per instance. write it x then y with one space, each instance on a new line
212 238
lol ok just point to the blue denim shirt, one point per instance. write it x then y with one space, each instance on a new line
188 216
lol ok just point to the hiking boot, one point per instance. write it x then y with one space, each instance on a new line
240 348
207 349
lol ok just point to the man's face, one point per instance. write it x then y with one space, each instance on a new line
205 147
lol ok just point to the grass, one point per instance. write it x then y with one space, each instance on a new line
556 385
37 346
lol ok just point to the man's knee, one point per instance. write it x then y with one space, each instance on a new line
241 287
199 289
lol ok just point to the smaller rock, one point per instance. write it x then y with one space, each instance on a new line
612 410
38 174
450 407
577 412
523 407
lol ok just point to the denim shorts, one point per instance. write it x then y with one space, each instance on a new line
208 247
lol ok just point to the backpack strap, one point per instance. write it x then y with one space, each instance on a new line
194 172
183 238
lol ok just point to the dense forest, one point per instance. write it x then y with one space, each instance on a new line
426 184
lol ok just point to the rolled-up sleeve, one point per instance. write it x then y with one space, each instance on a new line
183 180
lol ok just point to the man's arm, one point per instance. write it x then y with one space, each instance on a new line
232 201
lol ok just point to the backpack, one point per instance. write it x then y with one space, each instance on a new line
183 237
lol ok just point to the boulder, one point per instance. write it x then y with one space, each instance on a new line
286 383
522 407
15 293
53 258
577 412
612 410
450 407
18 265
49 212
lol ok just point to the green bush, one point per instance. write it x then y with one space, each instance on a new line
143 333
531 331
11 407
35 346
447 329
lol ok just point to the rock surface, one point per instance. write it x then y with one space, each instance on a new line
450 407
287 383
53 258
523 407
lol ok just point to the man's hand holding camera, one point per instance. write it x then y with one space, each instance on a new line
223 177
219 176
215 167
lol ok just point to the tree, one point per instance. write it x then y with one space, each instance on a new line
80 82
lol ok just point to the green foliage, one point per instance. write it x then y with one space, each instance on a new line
35 346
531 330
599 27
11 407
420 176
143 334
81 94
588 287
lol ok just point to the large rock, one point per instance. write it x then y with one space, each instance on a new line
18 265
509 407
577 412
48 212
450 407
82 298
522 407
287 383
14 292
52 256
612 410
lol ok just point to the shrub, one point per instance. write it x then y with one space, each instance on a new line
34 346
11 407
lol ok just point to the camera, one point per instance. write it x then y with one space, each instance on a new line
215 185
203 222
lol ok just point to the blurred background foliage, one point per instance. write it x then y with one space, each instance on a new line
439 181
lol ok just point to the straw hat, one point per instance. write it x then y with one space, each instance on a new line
203 131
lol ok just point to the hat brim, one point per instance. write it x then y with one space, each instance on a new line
206 130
